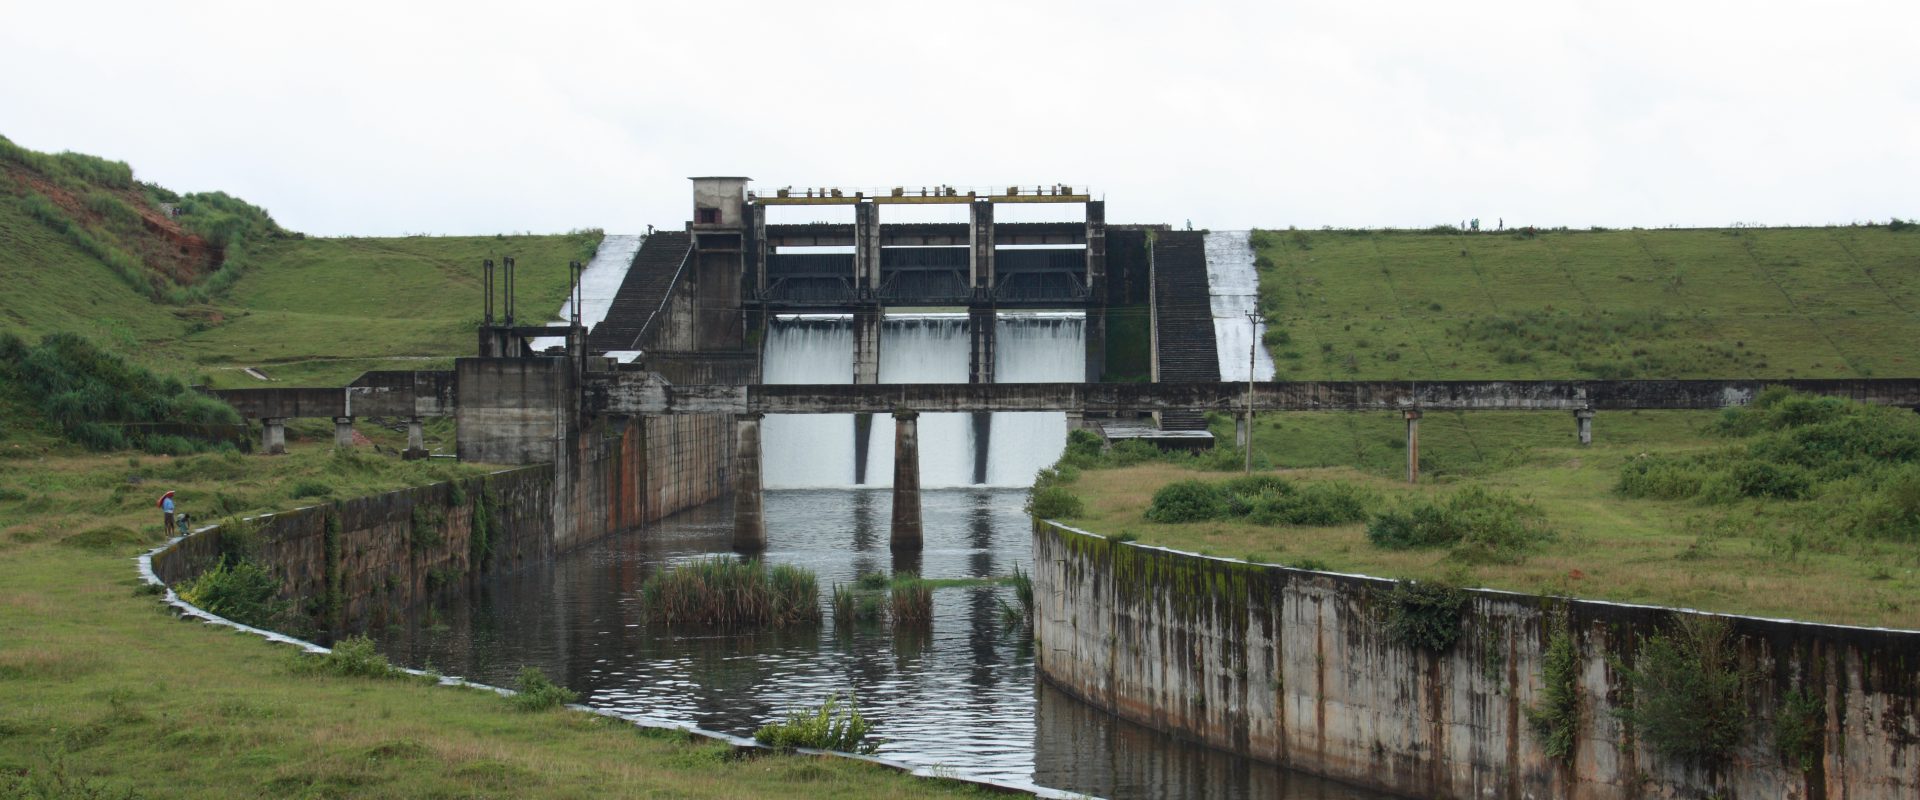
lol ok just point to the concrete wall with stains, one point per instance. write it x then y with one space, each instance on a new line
1295 668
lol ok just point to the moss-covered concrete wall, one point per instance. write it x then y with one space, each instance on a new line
1299 668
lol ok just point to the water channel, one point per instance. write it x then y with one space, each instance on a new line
963 698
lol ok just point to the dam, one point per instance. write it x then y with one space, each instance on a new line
859 397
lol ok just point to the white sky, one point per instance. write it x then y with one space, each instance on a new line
374 118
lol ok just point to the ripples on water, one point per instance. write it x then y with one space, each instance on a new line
962 697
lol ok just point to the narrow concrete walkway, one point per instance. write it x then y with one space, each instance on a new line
598 283
1234 289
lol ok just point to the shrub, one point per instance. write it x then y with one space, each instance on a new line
1776 481
239 589
351 657
1187 501
537 693
1424 615
1798 728
1482 526
722 592
1556 718
90 392
1687 691
828 727
1318 504
1660 478
305 489
1054 502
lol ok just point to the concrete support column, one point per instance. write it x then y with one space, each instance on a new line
906 480
416 440
1095 332
1240 429
866 369
1413 445
1585 417
980 254
273 436
749 515
981 331
342 431
866 247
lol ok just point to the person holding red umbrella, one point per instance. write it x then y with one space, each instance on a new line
166 510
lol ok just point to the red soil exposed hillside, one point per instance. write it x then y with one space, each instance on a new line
159 241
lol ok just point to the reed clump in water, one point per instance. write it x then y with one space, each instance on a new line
1022 584
912 600
856 604
723 592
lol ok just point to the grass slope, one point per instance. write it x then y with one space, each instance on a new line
101 688
1790 302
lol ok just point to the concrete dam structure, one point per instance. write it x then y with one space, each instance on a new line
739 355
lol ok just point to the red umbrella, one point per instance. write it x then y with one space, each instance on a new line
163 500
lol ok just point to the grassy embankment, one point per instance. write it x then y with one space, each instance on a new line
101 693
1643 304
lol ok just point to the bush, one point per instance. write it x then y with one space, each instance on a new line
536 693
1776 481
1556 718
90 392
1054 502
1482 526
828 727
305 489
1660 478
1317 504
1687 692
1424 615
724 592
1798 728
239 589
1187 501
351 657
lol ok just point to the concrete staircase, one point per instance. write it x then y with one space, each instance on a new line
1184 322
642 292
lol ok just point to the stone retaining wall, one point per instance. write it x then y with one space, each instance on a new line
1296 668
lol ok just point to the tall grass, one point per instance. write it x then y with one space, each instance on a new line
828 727
723 592
87 391
911 601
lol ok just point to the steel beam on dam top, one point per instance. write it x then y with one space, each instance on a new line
629 393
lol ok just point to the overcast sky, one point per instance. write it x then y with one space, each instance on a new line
350 118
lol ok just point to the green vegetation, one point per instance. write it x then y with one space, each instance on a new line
1782 302
1262 499
102 695
1556 718
239 589
1480 526
910 601
1424 615
1687 692
1799 727
94 395
536 692
828 727
725 592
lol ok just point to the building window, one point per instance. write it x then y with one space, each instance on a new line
706 216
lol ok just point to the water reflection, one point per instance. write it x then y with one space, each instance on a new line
960 696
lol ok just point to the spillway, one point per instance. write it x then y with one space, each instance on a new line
818 451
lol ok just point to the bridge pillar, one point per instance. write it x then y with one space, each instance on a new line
866 369
980 252
342 431
416 440
906 480
1413 445
273 436
1240 432
866 248
749 515
1585 418
982 324
1095 332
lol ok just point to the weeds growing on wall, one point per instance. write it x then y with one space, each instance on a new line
1687 691
480 544
1423 614
828 727
1478 525
724 592
1799 726
536 692
1555 719
93 395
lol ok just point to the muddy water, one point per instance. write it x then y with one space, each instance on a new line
962 697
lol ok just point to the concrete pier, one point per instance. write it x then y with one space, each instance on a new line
1094 330
866 370
982 325
273 436
866 248
342 431
980 251
749 513
416 440
906 480
1413 445
1585 418
1240 432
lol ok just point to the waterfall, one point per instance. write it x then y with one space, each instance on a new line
815 451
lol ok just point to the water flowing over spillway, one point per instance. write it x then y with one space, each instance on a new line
818 451
1234 287
599 282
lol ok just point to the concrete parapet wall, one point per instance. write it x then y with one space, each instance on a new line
1297 668
352 563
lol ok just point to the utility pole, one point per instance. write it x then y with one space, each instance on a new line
1253 347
